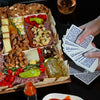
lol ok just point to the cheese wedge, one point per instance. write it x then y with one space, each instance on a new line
7 45
32 55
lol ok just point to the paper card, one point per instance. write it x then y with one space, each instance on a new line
88 77
76 54
86 43
73 33
89 64
75 69
67 42
76 51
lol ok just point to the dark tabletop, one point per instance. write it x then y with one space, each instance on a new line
86 11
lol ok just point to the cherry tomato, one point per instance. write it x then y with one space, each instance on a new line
9 72
10 86
17 73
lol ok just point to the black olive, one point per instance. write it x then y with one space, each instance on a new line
38 11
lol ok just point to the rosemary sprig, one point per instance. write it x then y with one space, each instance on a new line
31 66
27 67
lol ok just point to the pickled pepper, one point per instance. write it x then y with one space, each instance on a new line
30 73
37 20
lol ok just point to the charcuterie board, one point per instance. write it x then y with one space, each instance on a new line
30 49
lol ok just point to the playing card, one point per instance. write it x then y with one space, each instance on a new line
74 69
76 51
88 77
67 42
86 43
76 54
70 48
80 54
89 64
73 33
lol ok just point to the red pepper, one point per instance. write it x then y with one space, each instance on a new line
20 69
40 16
36 25
27 20
12 78
33 16
7 78
9 72
7 81
17 73
33 23
10 86
40 55
44 17
42 68
2 83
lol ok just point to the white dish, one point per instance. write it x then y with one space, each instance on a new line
60 96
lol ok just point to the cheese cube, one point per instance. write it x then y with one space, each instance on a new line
4 21
4 28
7 44
6 35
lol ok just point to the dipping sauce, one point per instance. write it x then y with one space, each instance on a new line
54 99
66 98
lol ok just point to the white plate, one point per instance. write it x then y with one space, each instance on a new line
60 96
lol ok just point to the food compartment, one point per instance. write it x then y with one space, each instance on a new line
38 30
18 36
49 51
18 68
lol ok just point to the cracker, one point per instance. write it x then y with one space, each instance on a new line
3 12
35 8
16 10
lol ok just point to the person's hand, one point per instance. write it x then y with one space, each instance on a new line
90 28
94 55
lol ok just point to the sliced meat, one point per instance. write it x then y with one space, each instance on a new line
1 62
19 80
2 76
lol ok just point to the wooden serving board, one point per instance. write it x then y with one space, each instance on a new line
38 86
47 81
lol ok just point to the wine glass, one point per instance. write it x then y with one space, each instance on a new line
66 6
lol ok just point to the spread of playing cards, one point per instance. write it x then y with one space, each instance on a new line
76 51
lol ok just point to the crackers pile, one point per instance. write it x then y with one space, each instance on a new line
22 10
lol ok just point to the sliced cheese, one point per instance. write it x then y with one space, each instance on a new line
4 28
7 45
6 35
4 21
